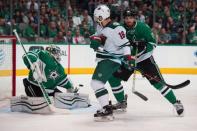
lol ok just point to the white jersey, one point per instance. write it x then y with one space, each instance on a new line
115 40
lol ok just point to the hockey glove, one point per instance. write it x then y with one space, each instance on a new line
95 42
129 61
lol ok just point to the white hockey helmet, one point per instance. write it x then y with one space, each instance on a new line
55 51
101 13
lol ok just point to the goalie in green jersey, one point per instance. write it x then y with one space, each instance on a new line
143 42
45 71
49 72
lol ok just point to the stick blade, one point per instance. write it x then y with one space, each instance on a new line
183 84
141 95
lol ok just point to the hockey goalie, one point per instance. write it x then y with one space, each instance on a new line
47 71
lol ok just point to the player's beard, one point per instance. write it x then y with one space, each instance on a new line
130 23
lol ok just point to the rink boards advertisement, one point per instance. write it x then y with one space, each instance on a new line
80 59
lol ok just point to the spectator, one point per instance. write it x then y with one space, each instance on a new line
43 27
54 14
141 16
18 17
192 35
63 26
171 27
87 17
164 37
76 18
20 5
91 7
156 29
195 20
52 29
32 5
68 38
29 31
2 27
78 38
59 38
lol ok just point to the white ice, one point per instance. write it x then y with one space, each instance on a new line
154 115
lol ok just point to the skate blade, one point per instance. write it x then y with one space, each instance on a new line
104 118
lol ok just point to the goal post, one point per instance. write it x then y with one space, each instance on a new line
7 66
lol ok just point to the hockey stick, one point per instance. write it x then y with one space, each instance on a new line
133 84
178 86
45 95
133 87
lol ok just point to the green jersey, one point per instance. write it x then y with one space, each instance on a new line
50 68
141 32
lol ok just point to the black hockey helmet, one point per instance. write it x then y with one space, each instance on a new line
130 12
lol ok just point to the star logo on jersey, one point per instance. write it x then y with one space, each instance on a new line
130 32
54 75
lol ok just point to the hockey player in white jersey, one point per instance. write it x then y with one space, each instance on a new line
112 38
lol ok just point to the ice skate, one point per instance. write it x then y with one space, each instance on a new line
179 108
106 114
121 106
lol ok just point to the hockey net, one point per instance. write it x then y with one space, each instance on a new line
7 67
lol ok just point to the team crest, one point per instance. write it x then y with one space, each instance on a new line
54 75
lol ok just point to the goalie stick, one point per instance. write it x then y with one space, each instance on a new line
178 86
45 95
133 87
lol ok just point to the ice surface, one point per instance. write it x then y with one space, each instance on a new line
154 115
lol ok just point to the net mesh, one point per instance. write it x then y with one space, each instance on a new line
6 68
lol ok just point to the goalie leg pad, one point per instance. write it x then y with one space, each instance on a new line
37 105
71 100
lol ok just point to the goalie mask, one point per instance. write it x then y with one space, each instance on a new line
101 13
55 51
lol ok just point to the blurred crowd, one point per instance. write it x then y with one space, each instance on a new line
71 21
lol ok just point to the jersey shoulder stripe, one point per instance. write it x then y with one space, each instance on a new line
113 25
